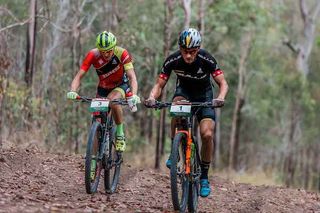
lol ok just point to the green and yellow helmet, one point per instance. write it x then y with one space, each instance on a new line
106 41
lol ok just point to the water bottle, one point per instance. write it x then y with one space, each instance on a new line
132 106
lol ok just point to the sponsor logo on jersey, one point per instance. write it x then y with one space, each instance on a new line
100 61
183 74
199 71
110 73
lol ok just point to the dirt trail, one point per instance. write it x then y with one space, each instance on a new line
33 181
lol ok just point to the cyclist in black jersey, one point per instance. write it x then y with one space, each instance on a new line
193 67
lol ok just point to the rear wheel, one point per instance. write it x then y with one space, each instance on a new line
179 180
93 165
113 165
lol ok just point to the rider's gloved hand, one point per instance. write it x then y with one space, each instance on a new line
136 99
72 95
218 102
150 102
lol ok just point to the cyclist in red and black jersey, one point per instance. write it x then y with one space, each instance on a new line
193 67
114 67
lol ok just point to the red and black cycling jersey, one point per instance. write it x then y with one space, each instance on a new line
194 76
112 73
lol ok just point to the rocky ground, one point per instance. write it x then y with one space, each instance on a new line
34 181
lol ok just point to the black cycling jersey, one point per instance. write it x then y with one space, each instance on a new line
194 76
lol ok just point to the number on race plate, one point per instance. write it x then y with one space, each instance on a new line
99 105
180 110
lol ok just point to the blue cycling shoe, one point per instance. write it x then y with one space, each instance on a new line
204 188
168 163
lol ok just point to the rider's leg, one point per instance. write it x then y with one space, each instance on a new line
118 119
206 132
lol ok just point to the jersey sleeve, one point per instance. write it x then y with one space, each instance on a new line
216 70
166 69
126 60
87 61
213 66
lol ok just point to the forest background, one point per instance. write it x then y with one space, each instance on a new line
269 51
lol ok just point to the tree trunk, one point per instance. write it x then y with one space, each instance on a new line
30 55
150 126
114 14
306 166
201 17
309 25
241 90
217 141
157 157
76 53
51 51
162 122
31 42
316 166
187 12
293 138
5 63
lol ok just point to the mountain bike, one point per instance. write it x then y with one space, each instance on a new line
185 167
101 152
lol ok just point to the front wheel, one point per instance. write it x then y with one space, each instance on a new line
112 164
179 180
194 187
93 165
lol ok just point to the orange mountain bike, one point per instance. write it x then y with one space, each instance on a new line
185 168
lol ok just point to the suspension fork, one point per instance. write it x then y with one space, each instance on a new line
105 134
188 149
106 145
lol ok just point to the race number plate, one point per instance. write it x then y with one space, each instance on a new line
99 105
180 110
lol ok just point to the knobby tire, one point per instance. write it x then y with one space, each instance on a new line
194 184
113 164
95 138
177 159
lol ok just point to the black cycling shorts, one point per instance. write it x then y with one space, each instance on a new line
122 88
195 96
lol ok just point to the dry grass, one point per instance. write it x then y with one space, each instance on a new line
253 177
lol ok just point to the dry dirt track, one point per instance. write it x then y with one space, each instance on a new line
33 181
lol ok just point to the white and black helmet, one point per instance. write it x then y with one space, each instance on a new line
190 38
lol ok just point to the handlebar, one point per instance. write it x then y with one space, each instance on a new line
160 105
120 101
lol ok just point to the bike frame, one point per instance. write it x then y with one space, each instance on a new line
188 134
104 118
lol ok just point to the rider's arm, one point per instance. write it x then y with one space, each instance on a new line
76 81
132 80
223 86
86 63
162 79
157 88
